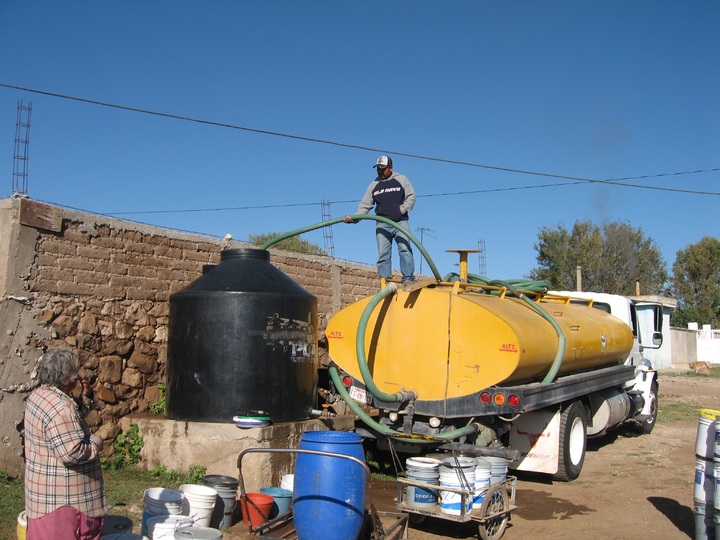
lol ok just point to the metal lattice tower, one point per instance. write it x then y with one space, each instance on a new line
22 143
482 268
327 231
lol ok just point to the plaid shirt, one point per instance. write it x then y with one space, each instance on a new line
62 465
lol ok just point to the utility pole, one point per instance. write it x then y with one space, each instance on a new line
422 234
22 142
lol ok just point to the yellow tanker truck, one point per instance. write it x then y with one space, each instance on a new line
492 368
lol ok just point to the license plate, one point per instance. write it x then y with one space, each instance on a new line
358 394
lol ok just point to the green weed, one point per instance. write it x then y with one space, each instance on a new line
127 449
159 407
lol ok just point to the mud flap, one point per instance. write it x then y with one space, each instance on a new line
536 435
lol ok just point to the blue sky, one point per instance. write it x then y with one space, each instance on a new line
596 90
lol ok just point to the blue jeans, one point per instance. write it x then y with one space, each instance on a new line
385 234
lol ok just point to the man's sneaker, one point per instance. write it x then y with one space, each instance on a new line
408 285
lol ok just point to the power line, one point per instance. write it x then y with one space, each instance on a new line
614 181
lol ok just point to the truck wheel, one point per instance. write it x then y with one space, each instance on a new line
573 438
646 426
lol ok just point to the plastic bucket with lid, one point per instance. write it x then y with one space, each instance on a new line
198 533
329 491
200 503
113 524
704 489
483 475
256 508
422 469
457 473
159 501
226 487
706 433
164 527
281 500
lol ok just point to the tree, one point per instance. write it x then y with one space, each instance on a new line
695 283
294 243
612 257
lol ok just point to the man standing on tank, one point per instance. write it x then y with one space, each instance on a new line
393 196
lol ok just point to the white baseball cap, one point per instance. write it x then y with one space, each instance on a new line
382 162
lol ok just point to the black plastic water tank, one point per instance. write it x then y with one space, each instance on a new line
243 337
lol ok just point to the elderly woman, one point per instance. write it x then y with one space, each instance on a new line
64 493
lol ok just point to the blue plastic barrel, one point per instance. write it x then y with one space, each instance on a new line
329 492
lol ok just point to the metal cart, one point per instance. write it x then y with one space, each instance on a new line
492 517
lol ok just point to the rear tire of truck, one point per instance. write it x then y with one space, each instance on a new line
646 426
573 440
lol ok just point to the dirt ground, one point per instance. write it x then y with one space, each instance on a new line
631 486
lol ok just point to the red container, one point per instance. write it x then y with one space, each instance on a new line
256 508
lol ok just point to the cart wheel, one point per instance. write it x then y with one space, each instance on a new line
496 501
416 519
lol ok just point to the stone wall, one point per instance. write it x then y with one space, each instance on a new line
101 286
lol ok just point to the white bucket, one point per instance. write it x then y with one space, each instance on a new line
160 501
164 527
226 487
425 470
288 480
499 468
716 492
704 490
457 473
706 433
198 533
200 503
483 475
704 526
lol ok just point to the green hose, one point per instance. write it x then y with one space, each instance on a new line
358 217
384 430
562 342
360 349
536 287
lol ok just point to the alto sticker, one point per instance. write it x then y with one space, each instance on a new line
508 347
335 334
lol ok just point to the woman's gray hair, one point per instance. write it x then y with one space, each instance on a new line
58 367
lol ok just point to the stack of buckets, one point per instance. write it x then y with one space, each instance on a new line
167 512
226 488
199 503
160 501
471 475
426 470
706 494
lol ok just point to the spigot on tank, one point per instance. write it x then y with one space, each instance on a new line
463 261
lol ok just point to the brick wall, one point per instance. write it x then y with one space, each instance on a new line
101 287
